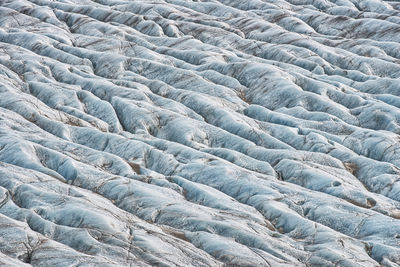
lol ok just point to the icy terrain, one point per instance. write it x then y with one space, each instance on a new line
199 133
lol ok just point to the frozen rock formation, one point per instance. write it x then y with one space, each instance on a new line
199 133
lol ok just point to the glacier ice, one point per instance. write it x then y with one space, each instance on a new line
199 133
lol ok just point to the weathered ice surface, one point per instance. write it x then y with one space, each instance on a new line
199 133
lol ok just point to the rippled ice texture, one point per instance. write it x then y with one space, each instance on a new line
199 133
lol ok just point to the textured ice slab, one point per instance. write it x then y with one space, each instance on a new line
199 133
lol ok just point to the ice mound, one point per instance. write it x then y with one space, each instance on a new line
199 133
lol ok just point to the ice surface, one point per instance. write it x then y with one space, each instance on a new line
199 133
